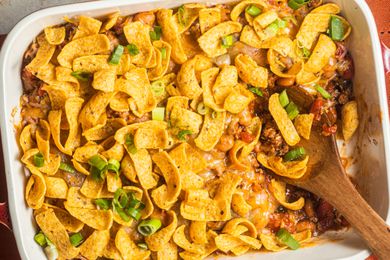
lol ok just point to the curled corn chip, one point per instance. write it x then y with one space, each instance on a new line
138 34
311 27
158 240
94 109
127 248
95 244
184 119
100 132
93 63
169 252
303 123
120 135
178 101
68 221
83 46
113 182
198 232
35 189
143 166
208 18
279 69
186 78
249 36
25 139
104 80
226 80
151 138
208 78
56 187
97 219
271 243
282 120
87 26
172 35
163 60
323 51
42 136
328 8
294 170
238 99
43 56
111 251
110 22
172 179
181 240
250 72
212 131
189 161
55 35
186 16
59 92
240 7
76 199
127 168
279 192
91 187
209 248
113 149
83 153
239 205
350 119
56 233
211 41
49 167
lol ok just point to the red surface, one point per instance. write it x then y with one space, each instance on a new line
8 250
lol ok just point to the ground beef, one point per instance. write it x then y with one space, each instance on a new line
128 116
30 82
272 140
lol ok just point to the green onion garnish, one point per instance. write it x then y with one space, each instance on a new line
281 23
113 165
149 227
97 175
182 134
323 92
130 144
295 154
156 33
253 10
103 203
256 91
120 198
76 239
132 49
227 41
283 98
296 4
134 213
122 214
158 88
143 246
97 162
39 161
163 53
286 238
40 238
336 28
158 113
81 75
292 110
116 55
305 52
67 167
274 27
202 109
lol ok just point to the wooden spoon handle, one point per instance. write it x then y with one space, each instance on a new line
347 200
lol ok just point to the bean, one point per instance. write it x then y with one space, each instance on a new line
285 82
225 143
146 18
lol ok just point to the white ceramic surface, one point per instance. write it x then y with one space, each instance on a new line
371 152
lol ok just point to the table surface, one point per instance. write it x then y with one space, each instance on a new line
8 250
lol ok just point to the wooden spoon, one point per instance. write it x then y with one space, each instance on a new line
327 179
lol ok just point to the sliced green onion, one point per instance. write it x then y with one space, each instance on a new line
292 110
253 10
116 55
286 238
281 23
103 203
81 75
323 92
39 161
67 167
295 154
181 15
256 91
296 4
149 227
120 198
143 246
133 49
163 53
113 165
134 213
158 113
227 41
40 238
158 88
272 29
202 109
305 52
122 214
130 144
155 35
183 133
283 98
97 162
97 175
76 239
336 28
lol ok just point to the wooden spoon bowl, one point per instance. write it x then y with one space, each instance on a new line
327 179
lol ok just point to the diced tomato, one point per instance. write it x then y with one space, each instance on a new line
372 257
246 137
329 130
316 108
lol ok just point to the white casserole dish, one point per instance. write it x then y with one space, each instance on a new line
370 154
